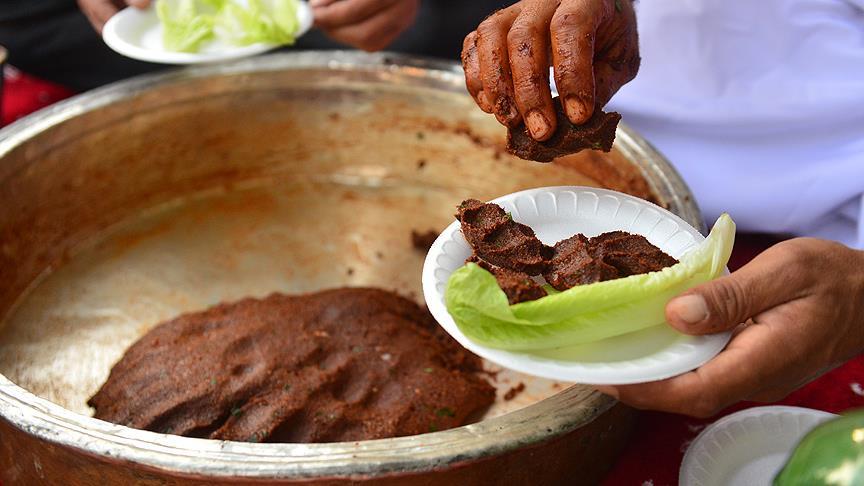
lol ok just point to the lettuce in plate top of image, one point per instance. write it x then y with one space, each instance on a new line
187 24
584 313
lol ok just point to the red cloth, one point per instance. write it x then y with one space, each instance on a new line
653 456
23 94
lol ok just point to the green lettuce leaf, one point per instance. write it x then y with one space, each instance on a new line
184 27
270 21
583 313
189 23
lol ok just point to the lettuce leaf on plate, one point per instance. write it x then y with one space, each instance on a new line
189 23
184 27
584 313
269 21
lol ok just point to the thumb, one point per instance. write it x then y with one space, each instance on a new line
722 304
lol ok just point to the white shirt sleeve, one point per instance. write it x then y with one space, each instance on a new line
760 105
857 3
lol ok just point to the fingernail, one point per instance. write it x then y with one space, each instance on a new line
505 111
690 309
608 390
575 109
537 124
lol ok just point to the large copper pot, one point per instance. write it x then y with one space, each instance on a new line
163 194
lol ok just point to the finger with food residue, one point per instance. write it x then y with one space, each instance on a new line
471 66
495 64
529 63
573 30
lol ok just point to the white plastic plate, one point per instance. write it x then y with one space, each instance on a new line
747 448
556 213
137 34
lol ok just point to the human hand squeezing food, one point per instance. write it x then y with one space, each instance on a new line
797 311
591 44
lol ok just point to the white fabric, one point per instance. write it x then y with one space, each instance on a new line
760 106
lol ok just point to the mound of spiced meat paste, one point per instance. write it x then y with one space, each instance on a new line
513 254
508 250
598 133
338 365
499 240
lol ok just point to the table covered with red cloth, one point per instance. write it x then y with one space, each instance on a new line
653 456
23 94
